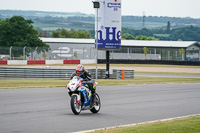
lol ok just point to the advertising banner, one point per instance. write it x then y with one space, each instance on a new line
108 21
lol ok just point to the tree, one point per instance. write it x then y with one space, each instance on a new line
18 32
76 54
189 33
181 52
168 27
64 33
141 37
127 36
55 34
84 34
145 51
44 55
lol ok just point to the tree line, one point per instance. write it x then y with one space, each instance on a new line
19 32
86 21
189 33
64 33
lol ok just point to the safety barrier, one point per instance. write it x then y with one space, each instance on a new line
3 62
71 61
45 62
13 72
36 62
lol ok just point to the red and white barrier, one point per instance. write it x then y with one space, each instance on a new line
51 62
36 62
3 62
71 61
45 62
17 62
85 61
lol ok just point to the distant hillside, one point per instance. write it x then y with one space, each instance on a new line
10 13
152 22
80 21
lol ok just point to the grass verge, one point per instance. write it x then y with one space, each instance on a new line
168 73
45 83
182 125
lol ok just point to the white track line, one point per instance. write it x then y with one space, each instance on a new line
168 119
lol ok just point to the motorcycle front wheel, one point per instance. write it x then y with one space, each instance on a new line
75 106
97 104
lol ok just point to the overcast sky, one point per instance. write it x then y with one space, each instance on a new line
171 8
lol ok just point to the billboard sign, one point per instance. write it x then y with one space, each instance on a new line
108 22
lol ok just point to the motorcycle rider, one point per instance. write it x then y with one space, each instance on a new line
87 78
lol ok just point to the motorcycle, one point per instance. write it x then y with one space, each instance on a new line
81 96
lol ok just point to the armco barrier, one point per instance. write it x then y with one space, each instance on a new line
12 72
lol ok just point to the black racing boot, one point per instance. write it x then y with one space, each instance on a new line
92 97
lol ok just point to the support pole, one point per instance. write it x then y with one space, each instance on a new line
107 64
97 46
10 52
24 52
97 6
199 54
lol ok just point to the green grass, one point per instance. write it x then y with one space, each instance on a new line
45 83
139 24
162 35
183 125
169 73
31 83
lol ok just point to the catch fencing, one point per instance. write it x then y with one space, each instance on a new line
55 52
13 72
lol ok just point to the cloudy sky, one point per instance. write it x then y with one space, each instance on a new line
171 8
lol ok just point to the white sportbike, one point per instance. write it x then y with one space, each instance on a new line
81 96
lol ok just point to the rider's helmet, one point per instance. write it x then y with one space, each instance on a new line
80 70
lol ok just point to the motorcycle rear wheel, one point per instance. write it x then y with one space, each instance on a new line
97 104
75 106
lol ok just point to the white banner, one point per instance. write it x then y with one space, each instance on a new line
108 21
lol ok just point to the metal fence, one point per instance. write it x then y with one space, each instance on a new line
55 52
12 72
60 51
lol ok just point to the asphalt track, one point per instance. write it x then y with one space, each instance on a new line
47 110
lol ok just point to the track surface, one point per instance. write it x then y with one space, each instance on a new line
47 110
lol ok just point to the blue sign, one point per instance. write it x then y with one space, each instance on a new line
112 40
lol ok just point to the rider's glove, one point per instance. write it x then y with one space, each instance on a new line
84 81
